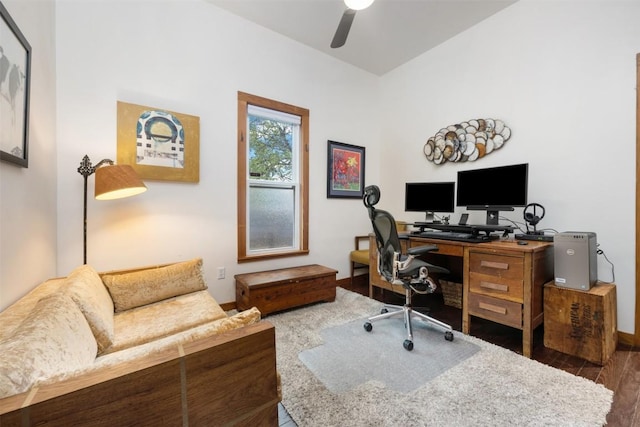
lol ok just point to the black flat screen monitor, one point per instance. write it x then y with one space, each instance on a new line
493 189
429 197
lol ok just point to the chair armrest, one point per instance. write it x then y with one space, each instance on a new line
419 250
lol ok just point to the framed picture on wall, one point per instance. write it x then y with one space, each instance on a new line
159 144
345 170
15 81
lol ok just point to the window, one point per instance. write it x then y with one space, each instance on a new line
273 179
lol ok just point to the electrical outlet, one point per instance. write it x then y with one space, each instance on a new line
221 272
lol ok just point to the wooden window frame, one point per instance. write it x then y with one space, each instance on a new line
245 99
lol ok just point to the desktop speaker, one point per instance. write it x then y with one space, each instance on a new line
575 260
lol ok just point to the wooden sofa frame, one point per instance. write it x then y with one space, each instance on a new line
228 379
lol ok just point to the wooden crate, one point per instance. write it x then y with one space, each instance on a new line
277 290
581 323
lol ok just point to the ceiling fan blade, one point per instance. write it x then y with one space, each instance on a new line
344 26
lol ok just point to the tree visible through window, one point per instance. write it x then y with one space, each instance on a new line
272 178
270 148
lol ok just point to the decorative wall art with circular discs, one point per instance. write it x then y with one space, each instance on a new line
467 141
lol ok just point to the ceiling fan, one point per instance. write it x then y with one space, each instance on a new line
340 37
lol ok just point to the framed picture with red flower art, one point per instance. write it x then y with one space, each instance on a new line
345 170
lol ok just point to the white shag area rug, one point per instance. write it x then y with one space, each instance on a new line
492 387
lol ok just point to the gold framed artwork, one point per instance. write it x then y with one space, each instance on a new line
159 144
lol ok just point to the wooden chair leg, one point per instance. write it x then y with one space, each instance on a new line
352 272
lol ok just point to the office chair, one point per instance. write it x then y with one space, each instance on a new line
401 269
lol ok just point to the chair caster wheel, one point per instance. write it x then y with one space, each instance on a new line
448 336
368 327
383 311
408 345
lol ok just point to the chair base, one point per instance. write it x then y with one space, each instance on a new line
406 311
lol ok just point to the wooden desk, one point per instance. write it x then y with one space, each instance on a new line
502 281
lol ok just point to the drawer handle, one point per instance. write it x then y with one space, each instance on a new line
493 264
491 307
494 286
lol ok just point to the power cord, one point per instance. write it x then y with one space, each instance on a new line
444 219
613 271
518 225
553 230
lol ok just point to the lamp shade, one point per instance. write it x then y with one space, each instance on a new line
117 181
358 4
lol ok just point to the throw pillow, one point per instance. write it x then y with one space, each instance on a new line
138 288
86 289
54 338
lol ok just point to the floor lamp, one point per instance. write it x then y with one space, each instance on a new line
112 182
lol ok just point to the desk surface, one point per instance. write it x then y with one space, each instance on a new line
501 245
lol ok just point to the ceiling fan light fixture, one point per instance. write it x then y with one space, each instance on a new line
358 4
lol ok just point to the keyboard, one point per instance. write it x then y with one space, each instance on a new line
455 236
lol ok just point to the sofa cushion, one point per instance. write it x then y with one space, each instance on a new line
153 321
219 326
54 338
12 316
87 290
138 288
238 320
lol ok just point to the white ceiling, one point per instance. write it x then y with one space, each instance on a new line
382 37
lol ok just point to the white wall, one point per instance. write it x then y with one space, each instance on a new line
192 57
562 76
28 196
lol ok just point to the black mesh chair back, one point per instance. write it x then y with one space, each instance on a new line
384 227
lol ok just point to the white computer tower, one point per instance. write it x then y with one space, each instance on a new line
575 259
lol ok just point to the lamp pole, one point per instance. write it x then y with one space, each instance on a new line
86 169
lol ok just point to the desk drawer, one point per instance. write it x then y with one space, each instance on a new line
444 248
505 312
499 287
503 266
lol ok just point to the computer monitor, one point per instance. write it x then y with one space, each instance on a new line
429 197
493 189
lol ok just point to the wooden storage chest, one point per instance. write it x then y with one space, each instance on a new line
277 290
581 323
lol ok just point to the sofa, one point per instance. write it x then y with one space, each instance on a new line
145 346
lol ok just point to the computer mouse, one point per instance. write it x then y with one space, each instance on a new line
523 242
